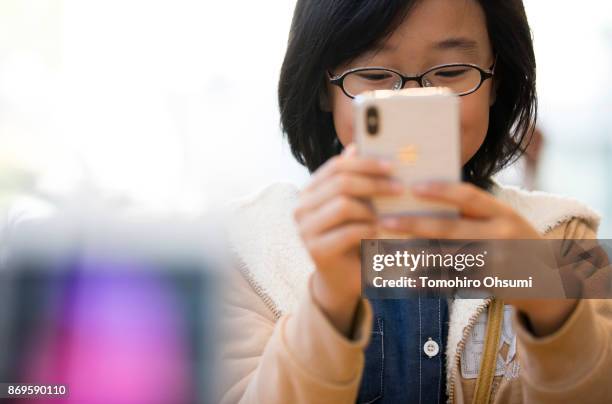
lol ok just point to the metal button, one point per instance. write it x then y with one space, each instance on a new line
431 348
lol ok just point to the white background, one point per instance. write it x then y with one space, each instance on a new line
173 104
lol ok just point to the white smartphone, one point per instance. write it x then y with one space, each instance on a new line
418 130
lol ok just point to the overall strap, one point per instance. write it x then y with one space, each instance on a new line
484 383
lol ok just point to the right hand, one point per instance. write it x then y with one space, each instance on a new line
333 216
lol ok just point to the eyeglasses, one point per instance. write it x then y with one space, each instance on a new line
461 78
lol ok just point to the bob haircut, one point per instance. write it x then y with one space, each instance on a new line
327 33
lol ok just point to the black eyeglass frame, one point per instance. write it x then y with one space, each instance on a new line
484 76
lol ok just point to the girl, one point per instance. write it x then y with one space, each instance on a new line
301 331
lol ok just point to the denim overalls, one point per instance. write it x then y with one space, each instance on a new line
397 368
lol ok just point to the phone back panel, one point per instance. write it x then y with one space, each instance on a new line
418 130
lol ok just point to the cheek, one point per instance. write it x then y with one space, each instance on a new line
342 109
474 124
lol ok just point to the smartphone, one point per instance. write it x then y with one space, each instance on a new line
418 130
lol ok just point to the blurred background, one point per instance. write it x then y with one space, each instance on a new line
172 105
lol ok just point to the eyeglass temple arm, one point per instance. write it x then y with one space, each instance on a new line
492 68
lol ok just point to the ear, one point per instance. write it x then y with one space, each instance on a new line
324 102
494 89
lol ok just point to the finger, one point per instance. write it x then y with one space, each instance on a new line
350 164
339 210
351 185
350 150
471 200
430 227
341 239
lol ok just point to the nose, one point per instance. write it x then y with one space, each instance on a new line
412 83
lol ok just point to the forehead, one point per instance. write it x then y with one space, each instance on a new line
439 27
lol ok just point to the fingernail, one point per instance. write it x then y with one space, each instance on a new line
386 165
397 186
425 187
390 222
350 150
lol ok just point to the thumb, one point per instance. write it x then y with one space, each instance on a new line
350 150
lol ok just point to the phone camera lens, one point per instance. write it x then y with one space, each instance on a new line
372 121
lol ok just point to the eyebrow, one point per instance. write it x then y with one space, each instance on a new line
462 44
459 43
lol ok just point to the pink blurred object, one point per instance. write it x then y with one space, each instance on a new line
121 338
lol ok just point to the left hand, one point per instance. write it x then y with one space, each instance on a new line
482 216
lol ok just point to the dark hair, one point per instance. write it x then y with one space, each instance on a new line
327 33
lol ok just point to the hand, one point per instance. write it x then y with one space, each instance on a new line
482 216
333 216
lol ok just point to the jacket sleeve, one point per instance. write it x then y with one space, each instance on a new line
300 358
574 363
